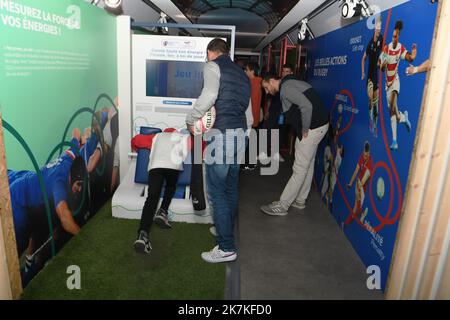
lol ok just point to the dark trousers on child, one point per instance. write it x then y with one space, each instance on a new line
156 178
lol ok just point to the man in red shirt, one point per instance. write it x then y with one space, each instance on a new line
251 70
363 170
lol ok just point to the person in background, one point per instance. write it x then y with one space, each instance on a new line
307 114
251 70
227 88
240 63
287 70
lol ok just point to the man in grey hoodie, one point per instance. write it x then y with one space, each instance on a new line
308 116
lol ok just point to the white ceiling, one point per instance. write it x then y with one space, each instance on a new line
248 32
327 21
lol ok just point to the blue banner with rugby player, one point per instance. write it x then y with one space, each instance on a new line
371 75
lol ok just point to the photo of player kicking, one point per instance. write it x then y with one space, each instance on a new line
372 53
363 171
389 62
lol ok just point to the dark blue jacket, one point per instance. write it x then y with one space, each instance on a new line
234 95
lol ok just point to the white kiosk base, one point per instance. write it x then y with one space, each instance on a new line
129 199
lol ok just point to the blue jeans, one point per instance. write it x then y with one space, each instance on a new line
222 182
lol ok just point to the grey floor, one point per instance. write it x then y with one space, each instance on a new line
303 255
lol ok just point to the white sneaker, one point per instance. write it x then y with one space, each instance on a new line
278 157
216 255
274 209
263 157
298 205
213 231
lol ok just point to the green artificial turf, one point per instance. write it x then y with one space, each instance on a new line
111 269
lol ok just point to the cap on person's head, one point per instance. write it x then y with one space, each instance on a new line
170 130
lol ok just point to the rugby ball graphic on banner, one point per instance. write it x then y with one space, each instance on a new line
380 188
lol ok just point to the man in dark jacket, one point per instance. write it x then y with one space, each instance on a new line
306 113
225 86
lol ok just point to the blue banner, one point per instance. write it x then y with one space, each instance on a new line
365 75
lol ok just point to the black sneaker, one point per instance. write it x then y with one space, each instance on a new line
142 244
161 219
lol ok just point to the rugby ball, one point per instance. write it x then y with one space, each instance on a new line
206 122
380 188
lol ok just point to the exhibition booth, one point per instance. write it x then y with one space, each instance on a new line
78 84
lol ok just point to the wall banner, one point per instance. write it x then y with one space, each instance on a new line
366 74
58 83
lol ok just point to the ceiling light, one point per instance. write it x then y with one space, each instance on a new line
113 4
304 28
114 7
163 20
354 8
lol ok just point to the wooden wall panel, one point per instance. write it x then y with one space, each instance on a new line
420 245
10 248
